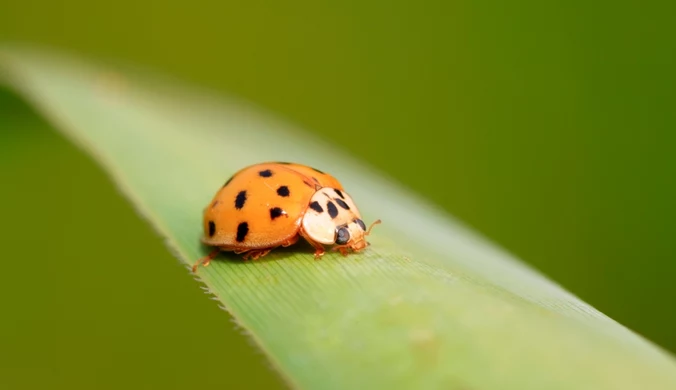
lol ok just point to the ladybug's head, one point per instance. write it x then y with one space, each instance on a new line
353 235
333 218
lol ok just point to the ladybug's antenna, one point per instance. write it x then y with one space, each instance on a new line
376 222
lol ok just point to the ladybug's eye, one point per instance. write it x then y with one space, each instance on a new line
342 236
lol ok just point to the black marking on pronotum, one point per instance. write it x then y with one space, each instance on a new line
276 212
316 207
342 236
339 193
265 173
342 204
283 191
240 199
242 231
361 224
333 210
212 228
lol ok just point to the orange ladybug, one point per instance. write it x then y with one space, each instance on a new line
272 204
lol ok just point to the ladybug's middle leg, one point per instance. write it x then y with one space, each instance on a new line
291 241
255 254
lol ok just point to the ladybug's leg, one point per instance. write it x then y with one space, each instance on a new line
248 253
239 251
256 253
319 248
342 249
204 261
290 241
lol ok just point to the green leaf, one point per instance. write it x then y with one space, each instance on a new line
430 304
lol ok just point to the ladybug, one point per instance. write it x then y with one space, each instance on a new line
272 204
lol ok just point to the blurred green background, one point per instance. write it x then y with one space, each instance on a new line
548 127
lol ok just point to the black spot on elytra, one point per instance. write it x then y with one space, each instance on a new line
342 236
316 207
283 191
361 224
333 210
317 170
240 199
212 228
342 204
276 212
242 231
265 173
337 191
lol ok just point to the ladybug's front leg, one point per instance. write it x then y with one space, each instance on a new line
319 248
342 249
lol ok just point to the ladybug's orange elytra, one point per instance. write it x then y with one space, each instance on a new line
272 204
